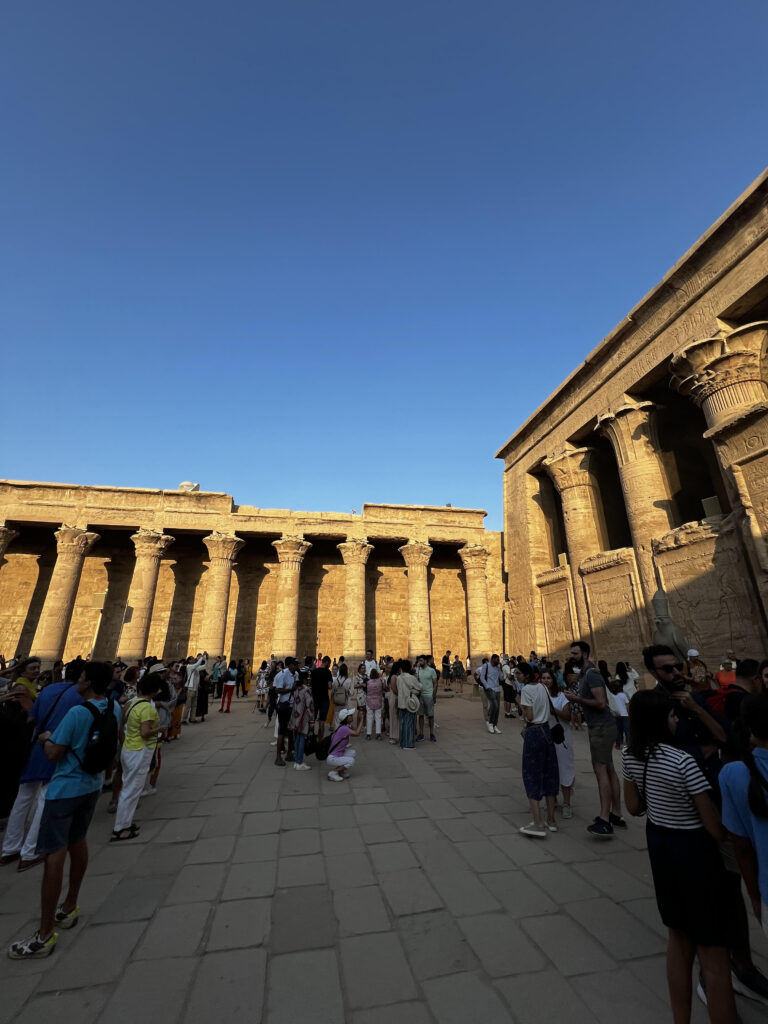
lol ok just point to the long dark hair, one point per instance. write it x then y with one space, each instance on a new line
621 672
648 722
602 668
754 715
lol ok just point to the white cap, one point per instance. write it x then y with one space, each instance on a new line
693 654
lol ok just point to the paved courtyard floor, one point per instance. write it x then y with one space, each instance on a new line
405 894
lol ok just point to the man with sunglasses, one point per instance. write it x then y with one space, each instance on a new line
701 734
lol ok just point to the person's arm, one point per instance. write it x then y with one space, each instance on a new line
53 751
747 861
632 799
710 818
598 700
149 728
709 722
527 712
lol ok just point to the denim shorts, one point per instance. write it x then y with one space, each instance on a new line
65 822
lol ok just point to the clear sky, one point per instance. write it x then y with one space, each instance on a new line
320 253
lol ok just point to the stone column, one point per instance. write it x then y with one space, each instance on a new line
355 554
7 534
222 549
291 552
474 558
631 428
72 545
150 547
573 473
724 377
416 556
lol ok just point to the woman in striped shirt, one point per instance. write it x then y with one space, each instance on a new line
683 829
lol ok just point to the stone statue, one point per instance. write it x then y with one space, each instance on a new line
666 632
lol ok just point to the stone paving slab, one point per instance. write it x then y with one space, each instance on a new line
407 893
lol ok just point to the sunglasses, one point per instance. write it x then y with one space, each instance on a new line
677 667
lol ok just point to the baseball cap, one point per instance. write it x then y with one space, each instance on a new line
344 715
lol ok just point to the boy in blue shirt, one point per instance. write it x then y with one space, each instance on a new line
70 801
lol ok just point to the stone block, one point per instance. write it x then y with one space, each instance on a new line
559 882
376 972
459 830
439 810
568 944
392 857
149 990
483 856
463 894
179 928
639 1004
544 996
519 896
238 924
222 825
342 840
255 849
500 945
340 816
287 1002
83 1005
245 881
302 918
409 892
16 991
381 832
99 952
304 870
419 830
616 929
261 823
197 883
405 810
360 910
404 1013
371 814
228 986
451 999
301 841
133 899
614 882
308 817
349 871
183 830
434 945
211 851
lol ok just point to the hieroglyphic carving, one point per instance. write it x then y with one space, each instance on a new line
613 609
559 618
607 560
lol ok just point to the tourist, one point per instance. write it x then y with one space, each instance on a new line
15 708
70 801
458 673
284 685
247 677
222 663
744 791
228 683
764 675
47 713
593 701
177 682
370 663
321 680
509 688
683 830
625 680
240 679
194 667
561 713
165 704
489 678
408 691
140 730
726 674
540 772
427 676
390 679
374 701
341 757
302 717
445 671
341 693
262 688
361 681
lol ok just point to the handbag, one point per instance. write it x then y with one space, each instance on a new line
557 732
412 704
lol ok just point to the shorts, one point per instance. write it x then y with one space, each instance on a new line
284 712
427 705
65 822
602 740
321 709
510 692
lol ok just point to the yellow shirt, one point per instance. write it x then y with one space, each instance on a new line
139 710
30 687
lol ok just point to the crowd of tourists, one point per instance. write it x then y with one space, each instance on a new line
693 745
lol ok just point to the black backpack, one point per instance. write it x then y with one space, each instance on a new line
323 748
101 747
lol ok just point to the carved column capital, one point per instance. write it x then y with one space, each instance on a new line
223 547
355 552
630 426
474 558
572 467
7 534
150 543
291 549
73 544
724 375
416 553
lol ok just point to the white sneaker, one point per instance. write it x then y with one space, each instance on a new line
149 791
551 826
489 726
301 767
273 743
335 777
532 829
497 730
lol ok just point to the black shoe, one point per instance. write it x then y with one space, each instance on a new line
601 829
280 762
617 821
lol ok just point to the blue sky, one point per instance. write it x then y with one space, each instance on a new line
316 254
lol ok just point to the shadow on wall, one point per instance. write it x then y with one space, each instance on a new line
712 592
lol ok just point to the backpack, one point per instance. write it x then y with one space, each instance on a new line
323 748
340 695
101 747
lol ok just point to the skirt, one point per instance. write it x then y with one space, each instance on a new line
540 772
407 728
690 882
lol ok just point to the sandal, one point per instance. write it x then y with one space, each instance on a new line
118 837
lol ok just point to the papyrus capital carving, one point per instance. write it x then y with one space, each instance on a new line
291 549
355 552
223 547
415 553
73 544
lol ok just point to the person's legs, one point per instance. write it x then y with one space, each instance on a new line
298 747
550 809
680 953
368 721
716 967
135 764
155 772
377 721
493 708
78 865
484 699
420 731
13 840
53 875
604 789
29 849
431 725
613 781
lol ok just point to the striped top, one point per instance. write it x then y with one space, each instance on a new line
672 780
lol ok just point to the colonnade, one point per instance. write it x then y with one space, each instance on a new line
724 376
73 545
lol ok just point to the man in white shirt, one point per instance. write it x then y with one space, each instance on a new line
490 677
192 685
370 663
284 684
